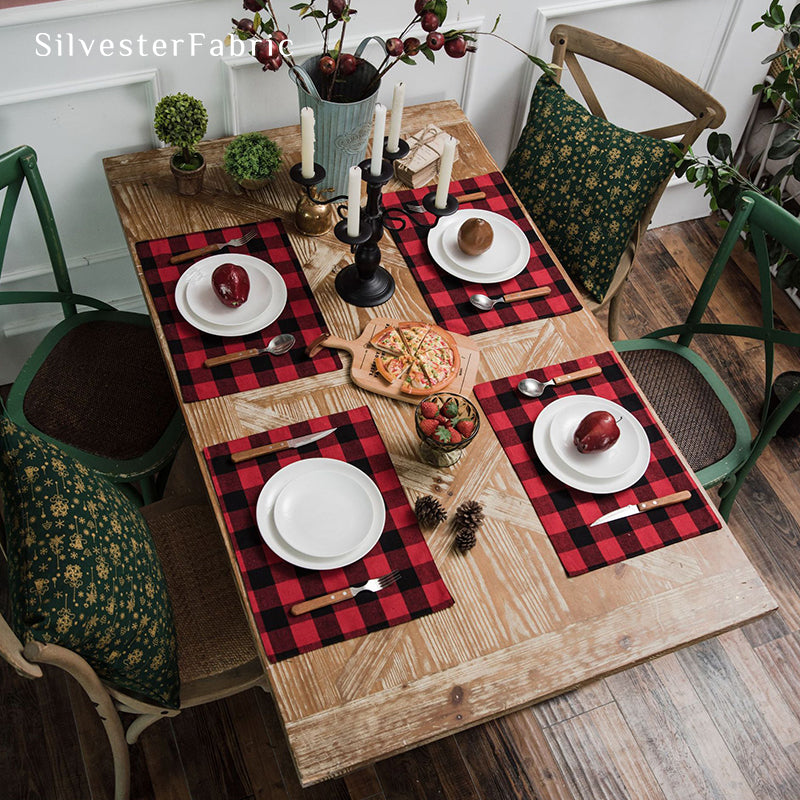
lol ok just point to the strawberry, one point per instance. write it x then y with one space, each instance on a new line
465 427
444 435
455 436
428 409
428 426
450 409
443 420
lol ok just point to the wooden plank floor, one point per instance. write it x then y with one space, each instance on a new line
716 721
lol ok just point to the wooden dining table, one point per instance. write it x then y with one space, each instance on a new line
520 629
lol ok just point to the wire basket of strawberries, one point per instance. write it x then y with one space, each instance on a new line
446 423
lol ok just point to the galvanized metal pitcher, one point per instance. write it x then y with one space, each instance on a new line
341 128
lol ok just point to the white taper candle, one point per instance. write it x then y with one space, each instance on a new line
398 98
445 171
354 201
307 141
377 140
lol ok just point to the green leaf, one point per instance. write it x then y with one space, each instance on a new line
691 174
713 143
496 23
794 17
329 25
428 53
796 168
407 60
789 148
439 7
773 56
300 7
791 39
257 21
317 14
776 12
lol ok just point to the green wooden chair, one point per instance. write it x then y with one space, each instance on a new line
695 405
96 385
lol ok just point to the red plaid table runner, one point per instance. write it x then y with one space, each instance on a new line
273 585
566 513
190 348
448 297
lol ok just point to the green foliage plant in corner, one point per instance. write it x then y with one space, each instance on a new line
252 159
720 173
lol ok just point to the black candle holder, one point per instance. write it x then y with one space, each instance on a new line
365 282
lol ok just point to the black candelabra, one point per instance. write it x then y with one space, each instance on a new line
365 282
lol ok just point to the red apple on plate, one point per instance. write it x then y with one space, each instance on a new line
597 431
231 284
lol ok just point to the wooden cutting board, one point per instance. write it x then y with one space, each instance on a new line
363 372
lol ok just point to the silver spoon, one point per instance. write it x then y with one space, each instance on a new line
281 344
533 388
485 303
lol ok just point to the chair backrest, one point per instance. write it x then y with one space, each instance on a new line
19 167
705 112
766 221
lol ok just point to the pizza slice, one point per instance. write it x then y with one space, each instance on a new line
438 365
413 334
417 381
389 341
392 368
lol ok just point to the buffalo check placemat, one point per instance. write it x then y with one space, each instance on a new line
273 585
448 297
566 513
190 347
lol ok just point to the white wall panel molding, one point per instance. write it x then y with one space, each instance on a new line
66 9
232 65
148 78
540 45
73 265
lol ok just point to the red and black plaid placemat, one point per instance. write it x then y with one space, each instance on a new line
190 348
273 585
566 513
448 297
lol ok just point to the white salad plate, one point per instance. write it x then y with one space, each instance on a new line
508 256
599 473
200 307
320 513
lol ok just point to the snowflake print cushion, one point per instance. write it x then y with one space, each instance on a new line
83 569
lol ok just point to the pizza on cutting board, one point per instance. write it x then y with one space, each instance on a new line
423 358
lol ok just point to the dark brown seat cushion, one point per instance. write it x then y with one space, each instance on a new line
103 389
686 404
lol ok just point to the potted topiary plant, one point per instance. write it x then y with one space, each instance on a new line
252 159
181 121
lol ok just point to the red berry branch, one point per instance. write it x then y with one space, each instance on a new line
335 64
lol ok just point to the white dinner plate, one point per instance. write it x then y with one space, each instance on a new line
324 514
508 256
554 460
196 301
608 463
367 493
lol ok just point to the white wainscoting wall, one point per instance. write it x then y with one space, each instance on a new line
75 109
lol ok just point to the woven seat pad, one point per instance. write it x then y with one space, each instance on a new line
686 404
213 636
103 389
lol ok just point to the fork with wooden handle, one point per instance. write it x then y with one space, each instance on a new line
462 198
213 248
373 585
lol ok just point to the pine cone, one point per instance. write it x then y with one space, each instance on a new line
465 539
430 512
469 515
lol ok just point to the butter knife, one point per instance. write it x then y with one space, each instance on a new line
647 505
276 447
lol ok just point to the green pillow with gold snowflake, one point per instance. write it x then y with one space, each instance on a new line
585 182
83 569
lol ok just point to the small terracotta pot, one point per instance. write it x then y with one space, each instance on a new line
188 181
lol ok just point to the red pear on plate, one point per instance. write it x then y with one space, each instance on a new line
231 284
596 432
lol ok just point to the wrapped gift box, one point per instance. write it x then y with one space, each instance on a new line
421 165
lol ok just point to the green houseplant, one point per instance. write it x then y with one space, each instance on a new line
252 159
724 176
181 121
